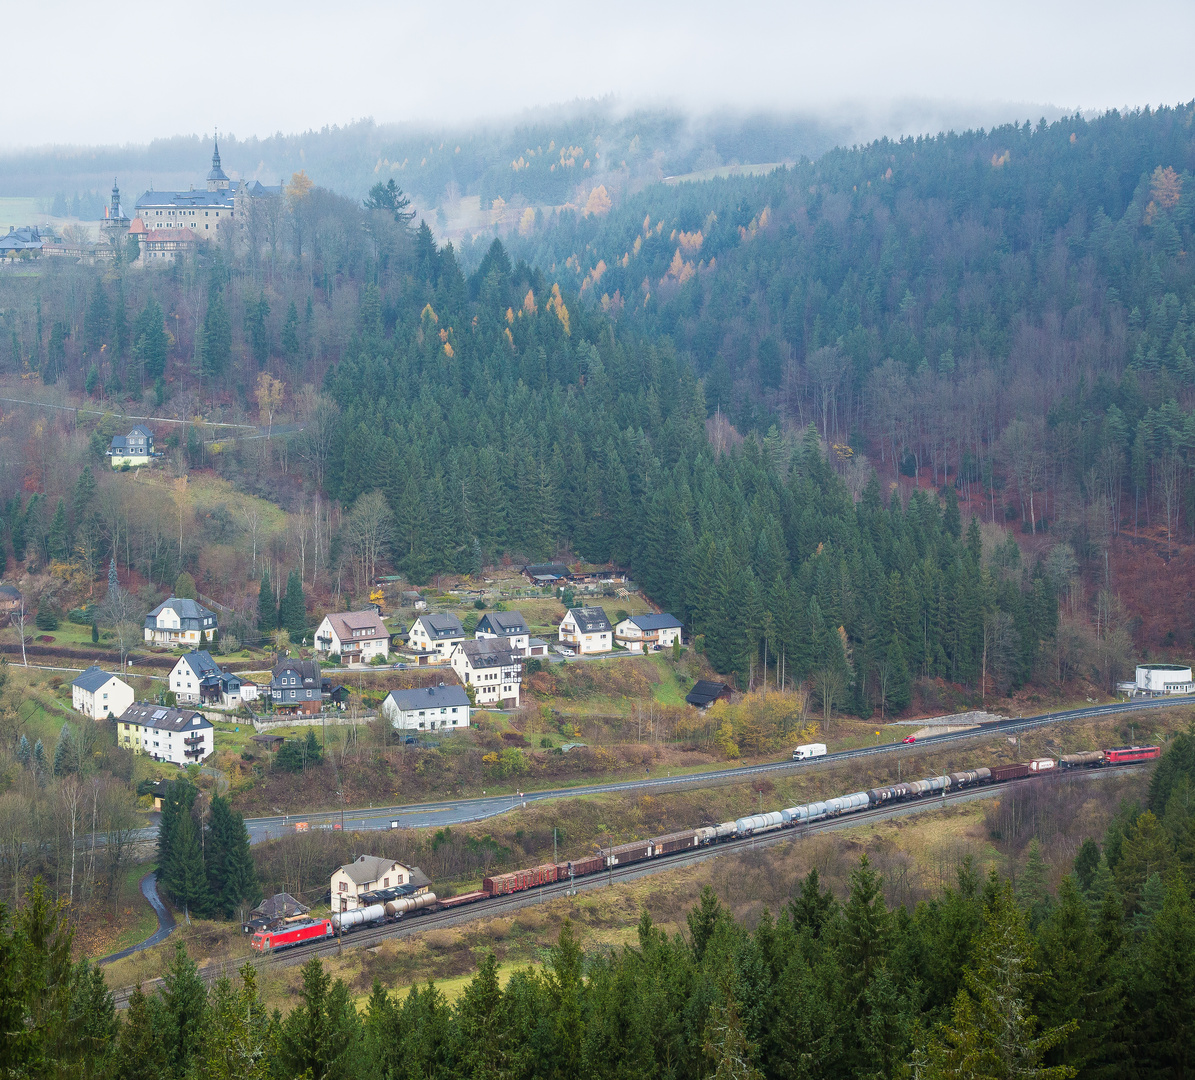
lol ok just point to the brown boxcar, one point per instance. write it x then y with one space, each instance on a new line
518 880
635 851
580 867
463 898
1000 773
677 841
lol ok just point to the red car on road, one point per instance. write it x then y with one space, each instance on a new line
909 739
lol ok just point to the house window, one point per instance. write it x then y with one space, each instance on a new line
343 887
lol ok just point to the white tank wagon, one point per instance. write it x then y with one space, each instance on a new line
759 823
847 804
404 905
347 920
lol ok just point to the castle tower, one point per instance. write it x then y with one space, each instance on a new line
115 224
216 179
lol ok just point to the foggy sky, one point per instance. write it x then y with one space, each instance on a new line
77 75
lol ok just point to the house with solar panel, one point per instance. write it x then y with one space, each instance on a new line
179 736
180 622
642 633
587 630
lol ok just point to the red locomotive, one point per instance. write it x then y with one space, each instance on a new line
294 934
1124 755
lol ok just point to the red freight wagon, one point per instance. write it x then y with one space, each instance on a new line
635 851
285 937
1000 773
1123 755
580 867
677 841
464 898
518 880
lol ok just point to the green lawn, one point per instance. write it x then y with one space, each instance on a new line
669 690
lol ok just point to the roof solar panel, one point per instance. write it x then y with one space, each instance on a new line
160 714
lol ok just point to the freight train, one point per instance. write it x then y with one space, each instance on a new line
377 908
392 904
795 816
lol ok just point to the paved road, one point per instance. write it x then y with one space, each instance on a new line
371 935
461 811
149 889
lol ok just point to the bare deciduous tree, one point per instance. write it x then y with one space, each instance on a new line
368 530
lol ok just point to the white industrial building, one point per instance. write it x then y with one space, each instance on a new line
1155 680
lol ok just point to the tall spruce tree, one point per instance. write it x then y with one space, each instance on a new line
267 614
184 1007
64 752
232 876
292 614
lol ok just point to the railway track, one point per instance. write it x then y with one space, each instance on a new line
416 924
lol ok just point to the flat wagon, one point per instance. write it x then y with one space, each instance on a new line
1000 773
463 898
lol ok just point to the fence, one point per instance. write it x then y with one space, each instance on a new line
268 723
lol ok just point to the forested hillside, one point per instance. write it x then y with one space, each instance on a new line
1000 317
1004 308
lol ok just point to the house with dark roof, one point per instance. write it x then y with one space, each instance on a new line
297 686
367 874
236 690
23 241
492 667
641 633
430 708
196 678
10 598
506 624
432 637
357 637
180 736
705 692
587 629
274 909
180 622
546 573
135 448
99 694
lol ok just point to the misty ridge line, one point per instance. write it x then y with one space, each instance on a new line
349 158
